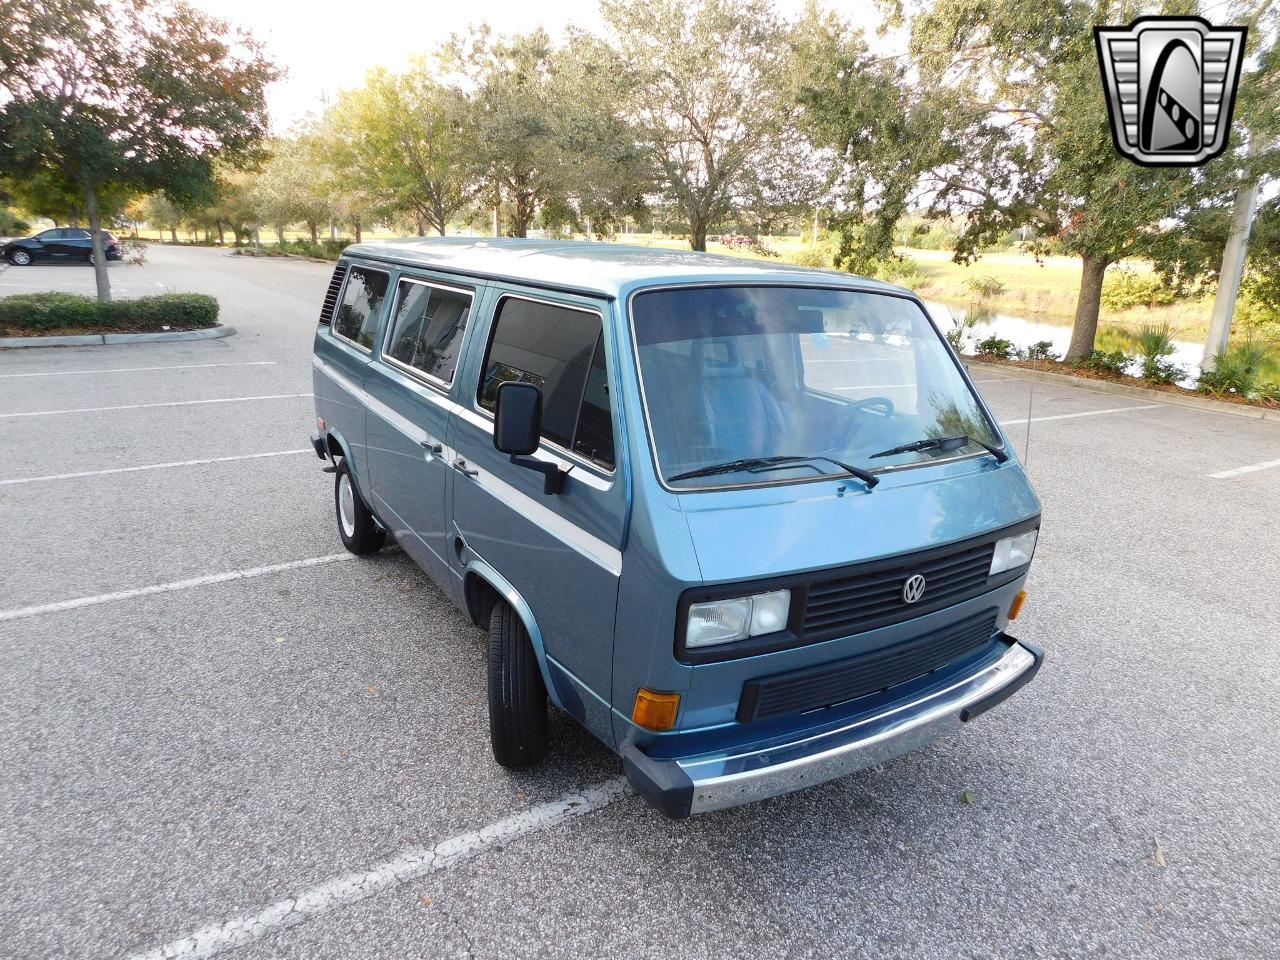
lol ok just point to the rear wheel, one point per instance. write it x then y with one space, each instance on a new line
20 258
91 258
517 695
360 532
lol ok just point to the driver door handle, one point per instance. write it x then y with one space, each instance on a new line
432 447
461 466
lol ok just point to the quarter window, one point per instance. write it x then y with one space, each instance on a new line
426 333
357 315
561 350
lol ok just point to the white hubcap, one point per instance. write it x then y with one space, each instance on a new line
21 258
347 506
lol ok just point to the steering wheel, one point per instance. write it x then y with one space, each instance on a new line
866 403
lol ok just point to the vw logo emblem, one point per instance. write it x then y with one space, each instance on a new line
913 589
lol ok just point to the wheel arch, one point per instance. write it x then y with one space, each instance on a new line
482 588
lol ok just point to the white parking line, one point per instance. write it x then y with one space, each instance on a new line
178 366
21 613
153 466
141 406
1084 413
408 865
1240 471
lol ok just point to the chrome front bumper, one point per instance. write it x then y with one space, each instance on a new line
685 786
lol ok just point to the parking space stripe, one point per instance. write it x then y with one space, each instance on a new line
409 865
21 613
176 366
1240 471
1083 413
154 466
142 406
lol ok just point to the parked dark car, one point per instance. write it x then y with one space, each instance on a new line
60 243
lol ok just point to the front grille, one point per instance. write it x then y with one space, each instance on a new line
833 683
331 296
859 601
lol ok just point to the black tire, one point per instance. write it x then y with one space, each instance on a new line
359 531
20 258
517 695
89 258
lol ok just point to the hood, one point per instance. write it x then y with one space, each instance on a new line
777 530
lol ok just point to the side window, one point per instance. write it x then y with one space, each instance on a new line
426 333
560 349
48 235
357 315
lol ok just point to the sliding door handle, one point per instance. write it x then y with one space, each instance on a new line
432 447
461 466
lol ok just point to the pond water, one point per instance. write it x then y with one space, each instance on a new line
1022 333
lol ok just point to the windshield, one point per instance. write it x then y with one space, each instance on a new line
823 376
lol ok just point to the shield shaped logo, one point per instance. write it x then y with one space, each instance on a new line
1171 87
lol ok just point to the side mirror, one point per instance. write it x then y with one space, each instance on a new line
517 425
517 418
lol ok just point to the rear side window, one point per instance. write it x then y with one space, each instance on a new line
357 316
426 333
561 350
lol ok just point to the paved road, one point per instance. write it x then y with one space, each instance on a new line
173 760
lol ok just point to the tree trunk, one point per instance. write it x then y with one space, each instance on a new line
1085 330
173 234
359 233
315 231
95 232
697 234
279 233
222 235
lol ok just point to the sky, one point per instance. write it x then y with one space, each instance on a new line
326 47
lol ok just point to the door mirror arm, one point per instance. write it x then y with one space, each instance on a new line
552 475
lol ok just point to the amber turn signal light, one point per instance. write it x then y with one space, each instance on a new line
1015 608
655 711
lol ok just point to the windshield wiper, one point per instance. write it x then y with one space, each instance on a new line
945 444
756 464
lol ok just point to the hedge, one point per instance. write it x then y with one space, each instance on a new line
61 311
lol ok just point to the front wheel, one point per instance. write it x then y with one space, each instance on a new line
360 532
517 695
20 258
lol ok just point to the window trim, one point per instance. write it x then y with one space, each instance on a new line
421 375
333 330
552 446
850 288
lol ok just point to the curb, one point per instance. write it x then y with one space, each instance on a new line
1125 390
99 339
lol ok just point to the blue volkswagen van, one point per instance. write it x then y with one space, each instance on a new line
750 524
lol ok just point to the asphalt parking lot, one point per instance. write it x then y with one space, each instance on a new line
209 712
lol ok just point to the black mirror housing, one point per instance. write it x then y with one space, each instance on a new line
517 418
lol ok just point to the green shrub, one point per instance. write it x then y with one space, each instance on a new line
65 311
1124 289
1112 363
1155 342
1237 370
985 286
1040 350
821 255
997 347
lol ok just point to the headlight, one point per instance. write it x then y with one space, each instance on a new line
1012 552
722 621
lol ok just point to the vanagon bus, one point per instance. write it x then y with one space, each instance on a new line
751 525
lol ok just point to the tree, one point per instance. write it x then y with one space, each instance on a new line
408 141
291 188
130 96
875 133
707 94
1028 140
163 214
514 118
